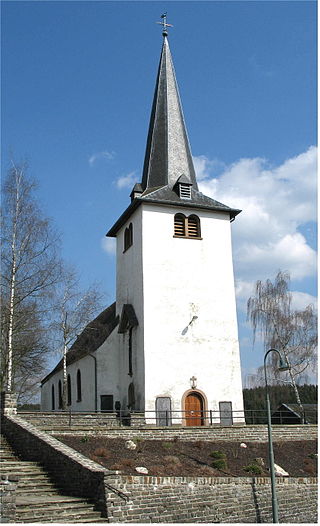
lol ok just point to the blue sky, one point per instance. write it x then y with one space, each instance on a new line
77 87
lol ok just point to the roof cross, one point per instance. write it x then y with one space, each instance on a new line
164 24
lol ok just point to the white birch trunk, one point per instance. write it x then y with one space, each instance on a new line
9 382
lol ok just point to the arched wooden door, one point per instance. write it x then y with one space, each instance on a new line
194 407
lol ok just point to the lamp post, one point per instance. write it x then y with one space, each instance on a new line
283 366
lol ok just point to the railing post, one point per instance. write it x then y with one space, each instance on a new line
70 416
211 417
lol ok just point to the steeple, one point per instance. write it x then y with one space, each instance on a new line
168 173
168 156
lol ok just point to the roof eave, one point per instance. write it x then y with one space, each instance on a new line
233 212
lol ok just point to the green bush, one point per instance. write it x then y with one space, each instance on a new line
218 455
84 439
255 469
167 445
219 463
313 455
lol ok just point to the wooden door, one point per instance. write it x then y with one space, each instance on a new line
194 410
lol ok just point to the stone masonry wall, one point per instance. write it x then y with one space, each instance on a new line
8 486
280 433
72 471
144 499
225 500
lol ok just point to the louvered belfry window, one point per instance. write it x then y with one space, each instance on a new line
185 191
193 226
187 226
180 225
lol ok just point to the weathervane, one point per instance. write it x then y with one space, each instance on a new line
164 24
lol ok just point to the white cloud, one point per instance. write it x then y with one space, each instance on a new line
108 245
126 181
300 300
106 155
275 203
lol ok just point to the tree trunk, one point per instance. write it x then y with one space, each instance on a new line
294 385
12 288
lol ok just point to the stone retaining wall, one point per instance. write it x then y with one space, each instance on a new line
72 471
202 499
145 499
8 486
257 433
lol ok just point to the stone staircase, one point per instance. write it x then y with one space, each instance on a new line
37 498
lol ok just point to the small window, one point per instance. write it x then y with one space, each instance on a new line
78 385
60 394
187 226
128 237
52 398
69 389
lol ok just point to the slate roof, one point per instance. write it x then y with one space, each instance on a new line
168 158
310 410
168 154
91 338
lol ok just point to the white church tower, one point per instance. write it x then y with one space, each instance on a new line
178 344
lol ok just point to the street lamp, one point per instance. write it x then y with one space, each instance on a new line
283 366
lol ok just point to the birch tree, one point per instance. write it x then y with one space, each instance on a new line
292 332
30 268
73 311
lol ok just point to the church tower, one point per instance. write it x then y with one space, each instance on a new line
178 337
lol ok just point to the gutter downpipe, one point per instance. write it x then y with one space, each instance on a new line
95 383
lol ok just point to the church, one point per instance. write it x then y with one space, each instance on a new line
169 344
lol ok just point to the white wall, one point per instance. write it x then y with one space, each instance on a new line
130 290
185 278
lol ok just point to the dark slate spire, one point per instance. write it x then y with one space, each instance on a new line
168 155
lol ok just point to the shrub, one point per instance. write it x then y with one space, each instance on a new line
313 455
167 445
253 468
218 455
84 439
101 452
220 463
170 459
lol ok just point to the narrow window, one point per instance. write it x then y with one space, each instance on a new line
130 351
131 397
78 386
128 237
52 398
193 226
180 225
60 394
69 389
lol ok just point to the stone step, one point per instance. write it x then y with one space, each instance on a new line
42 502
90 518
41 490
56 514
